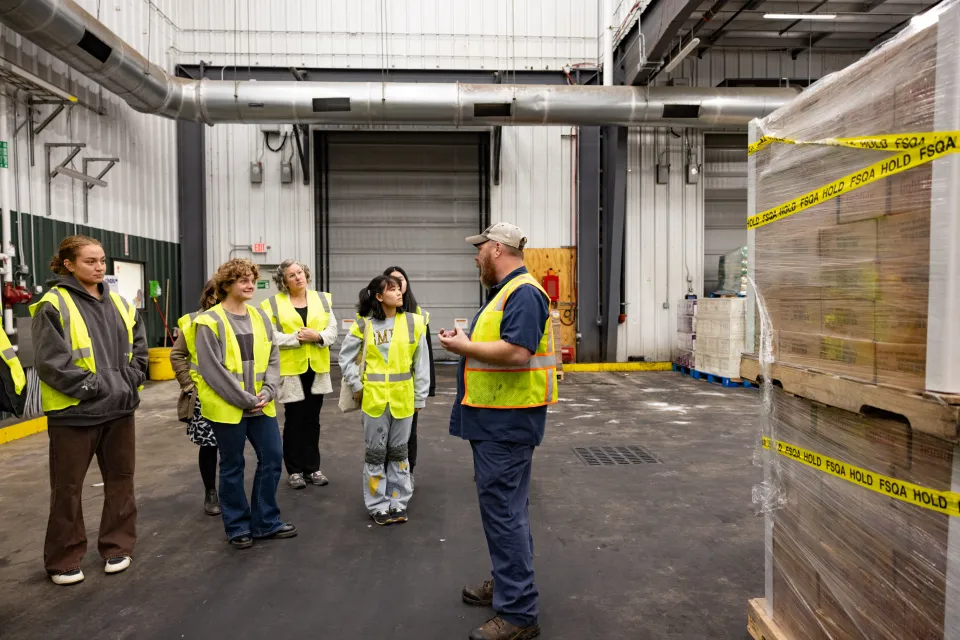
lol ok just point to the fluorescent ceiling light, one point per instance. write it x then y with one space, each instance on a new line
800 16
683 53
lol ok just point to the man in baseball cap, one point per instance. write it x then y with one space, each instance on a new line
506 378
502 232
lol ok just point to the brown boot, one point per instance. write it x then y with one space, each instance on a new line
499 629
480 595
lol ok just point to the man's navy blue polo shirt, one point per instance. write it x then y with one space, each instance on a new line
524 317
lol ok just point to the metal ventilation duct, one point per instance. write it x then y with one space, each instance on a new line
71 34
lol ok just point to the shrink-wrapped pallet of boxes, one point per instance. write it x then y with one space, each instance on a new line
720 336
853 329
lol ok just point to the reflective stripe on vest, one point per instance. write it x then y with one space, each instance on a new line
284 317
391 382
75 329
9 355
212 406
532 384
425 314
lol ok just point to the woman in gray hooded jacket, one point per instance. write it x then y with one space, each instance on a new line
91 358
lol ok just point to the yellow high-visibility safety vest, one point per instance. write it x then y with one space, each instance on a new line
532 384
189 331
212 406
284 317
80 342
9 356
425 314
391 382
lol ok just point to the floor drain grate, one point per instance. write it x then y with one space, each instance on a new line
605 456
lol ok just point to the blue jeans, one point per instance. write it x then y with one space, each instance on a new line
503 486
264 435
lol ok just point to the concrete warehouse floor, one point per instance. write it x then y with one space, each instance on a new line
650 551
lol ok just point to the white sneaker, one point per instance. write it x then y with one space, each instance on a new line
70 577
116 565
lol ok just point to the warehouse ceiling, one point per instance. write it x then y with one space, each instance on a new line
667 25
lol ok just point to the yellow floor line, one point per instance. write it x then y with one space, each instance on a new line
589 367
23 429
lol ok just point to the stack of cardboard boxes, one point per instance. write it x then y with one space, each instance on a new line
846 286
686 334
720 336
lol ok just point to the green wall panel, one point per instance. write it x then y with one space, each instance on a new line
42 236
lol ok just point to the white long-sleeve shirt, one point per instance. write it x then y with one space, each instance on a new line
381 332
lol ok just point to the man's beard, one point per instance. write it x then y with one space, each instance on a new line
486 274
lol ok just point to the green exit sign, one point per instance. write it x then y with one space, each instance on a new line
263 284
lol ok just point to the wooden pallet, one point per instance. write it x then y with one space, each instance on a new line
935 414
760 626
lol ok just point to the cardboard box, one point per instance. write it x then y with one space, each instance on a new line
802 349
854 358
867 202
846 280
905 236
729 347
902 365
910 191
900 323
849 243
848 319
800 316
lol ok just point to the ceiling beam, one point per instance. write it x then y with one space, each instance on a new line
750 5
661 22
871 5
813 40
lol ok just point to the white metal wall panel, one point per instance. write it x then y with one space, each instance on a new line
411 34
240 213
537 184
725 207
407 200
664 243
141 196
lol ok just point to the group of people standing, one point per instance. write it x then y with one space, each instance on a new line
235 361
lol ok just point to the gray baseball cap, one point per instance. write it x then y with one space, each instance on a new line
502 232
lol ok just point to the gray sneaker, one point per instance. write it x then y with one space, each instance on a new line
296 481
318 479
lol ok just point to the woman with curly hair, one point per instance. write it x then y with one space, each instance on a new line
239 372
182 356
305 328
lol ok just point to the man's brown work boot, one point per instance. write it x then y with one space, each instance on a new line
499 629
479 595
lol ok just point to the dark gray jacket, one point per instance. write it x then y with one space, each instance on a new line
111 392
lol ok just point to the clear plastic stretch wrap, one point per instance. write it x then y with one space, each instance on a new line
855 208
732 271
686 343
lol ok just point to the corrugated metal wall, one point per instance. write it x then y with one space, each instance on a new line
141 196
535 193
393 34
664 240
537 182
725 203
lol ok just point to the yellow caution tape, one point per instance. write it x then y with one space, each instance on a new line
886 142
935 146
946 502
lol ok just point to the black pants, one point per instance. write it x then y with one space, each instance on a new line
412 443
208 466
301 430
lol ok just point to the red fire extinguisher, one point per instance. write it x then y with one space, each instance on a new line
551 284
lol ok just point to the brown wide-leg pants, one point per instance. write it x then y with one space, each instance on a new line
71 450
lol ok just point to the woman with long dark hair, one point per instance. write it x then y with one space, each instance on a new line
183 354
391 346
410 305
